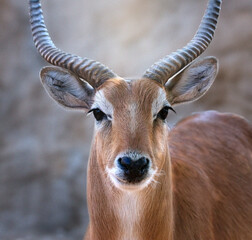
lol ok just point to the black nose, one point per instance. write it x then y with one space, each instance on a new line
134 170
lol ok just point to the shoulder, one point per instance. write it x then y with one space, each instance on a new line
213 117
210 135
213 122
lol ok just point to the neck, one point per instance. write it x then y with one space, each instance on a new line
116 214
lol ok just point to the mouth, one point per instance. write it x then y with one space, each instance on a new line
122 182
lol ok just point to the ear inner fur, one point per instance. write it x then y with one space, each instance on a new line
66 88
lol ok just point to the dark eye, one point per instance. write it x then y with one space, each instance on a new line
98 114
163 113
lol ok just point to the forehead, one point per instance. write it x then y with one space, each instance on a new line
142 92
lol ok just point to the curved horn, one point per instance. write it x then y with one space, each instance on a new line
168 66
91 71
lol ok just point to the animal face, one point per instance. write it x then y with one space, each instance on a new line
131 130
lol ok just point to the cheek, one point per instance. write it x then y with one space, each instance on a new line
104 143
160 146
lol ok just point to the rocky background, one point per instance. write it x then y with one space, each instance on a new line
43 148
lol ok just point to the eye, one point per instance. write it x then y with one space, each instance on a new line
98 114
163 113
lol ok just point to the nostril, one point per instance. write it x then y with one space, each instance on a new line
129 165
143 163
125 162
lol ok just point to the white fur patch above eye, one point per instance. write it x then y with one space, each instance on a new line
159 102
103 104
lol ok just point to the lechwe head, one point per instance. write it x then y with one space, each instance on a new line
130 132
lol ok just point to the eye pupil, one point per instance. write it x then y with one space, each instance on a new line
98 114
163 113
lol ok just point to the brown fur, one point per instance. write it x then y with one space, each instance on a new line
203 191
212 175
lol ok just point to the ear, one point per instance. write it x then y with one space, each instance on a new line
66 88
193 82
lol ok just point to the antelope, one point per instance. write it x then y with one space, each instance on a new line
146 181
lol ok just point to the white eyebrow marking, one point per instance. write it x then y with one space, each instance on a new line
103 104
159 102
133 112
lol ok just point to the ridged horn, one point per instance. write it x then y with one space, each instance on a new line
168 66
91 71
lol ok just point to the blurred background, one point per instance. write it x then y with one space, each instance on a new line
43 148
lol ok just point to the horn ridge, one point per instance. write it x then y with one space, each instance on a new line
182 57
91 71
